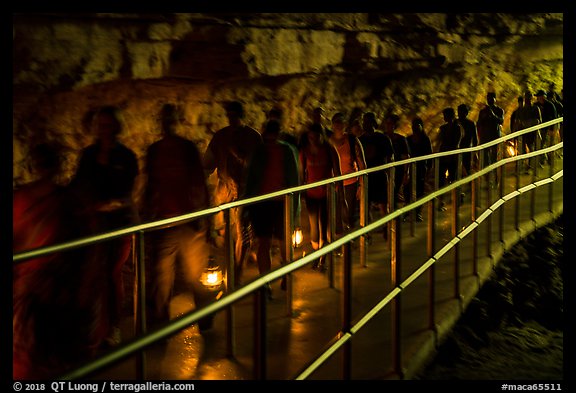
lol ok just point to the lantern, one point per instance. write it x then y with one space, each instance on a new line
297 237
511 150
212 276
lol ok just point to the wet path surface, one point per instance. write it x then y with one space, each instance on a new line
295 338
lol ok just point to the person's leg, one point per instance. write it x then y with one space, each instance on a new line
240 246
165 245
195 254
312 206
349 212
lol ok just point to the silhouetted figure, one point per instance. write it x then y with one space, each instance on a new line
318 161
489 124
469 136
529 116
548 111
378 151
351 156
514 120
56 301
106 174
420 145
277 114
176 185
449 136
401 152
318 118
229 153
556 99
274 167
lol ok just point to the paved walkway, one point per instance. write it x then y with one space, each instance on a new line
293 340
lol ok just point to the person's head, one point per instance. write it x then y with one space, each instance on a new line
338 122
463 111
491 98
528 98
540 96
417 125
369 122
106 122
315 133
45 159
448 114
171 116
271 130
317 115
275 114
520 101
234 112
392 121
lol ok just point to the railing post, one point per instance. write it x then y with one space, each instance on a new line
396 304
391 203
364 211
519 165
332 230
288 230
502 174
536 166
260 335
481 179
347 311
551 173
489 218
455 226
413 176
139 263
230 282
474 205
431 249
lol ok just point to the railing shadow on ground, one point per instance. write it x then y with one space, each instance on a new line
354 320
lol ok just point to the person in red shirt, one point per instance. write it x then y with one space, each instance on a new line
56 322
318 161
351 155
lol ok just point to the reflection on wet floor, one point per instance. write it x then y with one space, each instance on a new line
294 338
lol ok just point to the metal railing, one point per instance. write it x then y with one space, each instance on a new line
257 287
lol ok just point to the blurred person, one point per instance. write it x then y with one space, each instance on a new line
273 167
401 152
318 161
529 116
56 319
229 153
469 139
556 99
351 157
378 150
449 136
548 111
489 125
176 185
514 120
420 145
106 175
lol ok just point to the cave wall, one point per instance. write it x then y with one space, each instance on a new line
413 64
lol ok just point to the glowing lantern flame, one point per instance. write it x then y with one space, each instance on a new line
297 237
212 276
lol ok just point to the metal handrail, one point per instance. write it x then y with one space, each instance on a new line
214 210
230 298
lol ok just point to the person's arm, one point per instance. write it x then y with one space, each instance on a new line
360 158
209 157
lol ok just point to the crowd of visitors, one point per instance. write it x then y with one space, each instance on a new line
87 282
